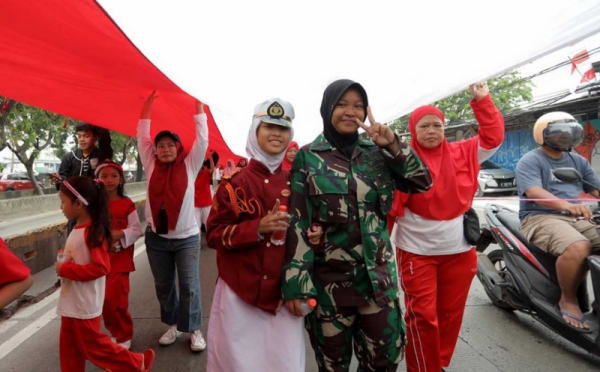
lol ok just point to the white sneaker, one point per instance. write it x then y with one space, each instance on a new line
170 336
197 341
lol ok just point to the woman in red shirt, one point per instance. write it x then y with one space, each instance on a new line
437 263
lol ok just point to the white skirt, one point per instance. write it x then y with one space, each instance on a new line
243 338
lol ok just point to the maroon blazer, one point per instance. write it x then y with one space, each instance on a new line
250 266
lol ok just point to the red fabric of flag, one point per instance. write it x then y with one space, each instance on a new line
69 57
579 59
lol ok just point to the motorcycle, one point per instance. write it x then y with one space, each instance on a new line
520 276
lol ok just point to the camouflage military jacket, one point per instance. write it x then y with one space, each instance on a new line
350 199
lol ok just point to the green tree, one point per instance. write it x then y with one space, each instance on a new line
124 147
509 91
26 131
62 137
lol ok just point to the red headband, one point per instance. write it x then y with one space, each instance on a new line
110 164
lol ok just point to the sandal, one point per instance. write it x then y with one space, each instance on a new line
582 320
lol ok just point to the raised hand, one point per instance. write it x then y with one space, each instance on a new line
479 90
147 109
199 107
274 221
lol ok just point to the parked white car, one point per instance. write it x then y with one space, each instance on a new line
494 179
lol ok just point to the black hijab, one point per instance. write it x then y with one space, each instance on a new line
344 142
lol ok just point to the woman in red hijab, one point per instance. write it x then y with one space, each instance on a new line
172 236
437 263
290 154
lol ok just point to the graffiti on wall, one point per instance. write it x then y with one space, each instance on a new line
515 145
590 147
518 143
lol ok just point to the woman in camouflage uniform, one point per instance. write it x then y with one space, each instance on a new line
346 183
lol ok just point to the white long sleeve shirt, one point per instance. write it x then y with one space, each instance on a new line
133 231
186 224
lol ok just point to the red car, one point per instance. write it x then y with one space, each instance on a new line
16 182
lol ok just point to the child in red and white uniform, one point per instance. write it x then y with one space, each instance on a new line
84 279
126 229
15 277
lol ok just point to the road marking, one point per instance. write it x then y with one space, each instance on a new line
5 326
30 310
139 250
16 340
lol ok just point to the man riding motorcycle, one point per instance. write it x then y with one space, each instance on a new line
541 220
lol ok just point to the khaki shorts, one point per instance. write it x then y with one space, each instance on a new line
554 234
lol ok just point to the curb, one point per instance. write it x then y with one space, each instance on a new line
27 300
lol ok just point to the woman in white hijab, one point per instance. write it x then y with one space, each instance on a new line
249 330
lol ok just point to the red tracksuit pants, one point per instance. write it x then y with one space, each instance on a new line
115 312
435 293
81 339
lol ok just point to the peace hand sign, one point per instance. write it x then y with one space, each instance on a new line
382 135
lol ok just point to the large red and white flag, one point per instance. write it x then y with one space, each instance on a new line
582 70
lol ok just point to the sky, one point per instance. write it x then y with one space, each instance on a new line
235 54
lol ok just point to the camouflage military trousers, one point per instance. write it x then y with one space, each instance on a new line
377 334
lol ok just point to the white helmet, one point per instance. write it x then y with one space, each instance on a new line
558 130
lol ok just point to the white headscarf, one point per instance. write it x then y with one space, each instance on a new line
256 153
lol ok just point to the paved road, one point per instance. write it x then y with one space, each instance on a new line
491 339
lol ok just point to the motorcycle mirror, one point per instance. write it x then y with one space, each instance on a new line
568 175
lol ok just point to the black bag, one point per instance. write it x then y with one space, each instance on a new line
471 227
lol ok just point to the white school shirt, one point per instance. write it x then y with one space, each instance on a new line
80 300
422 236
186 224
